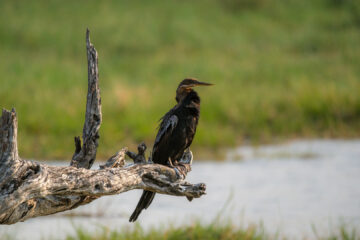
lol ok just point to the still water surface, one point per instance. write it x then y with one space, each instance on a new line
288 187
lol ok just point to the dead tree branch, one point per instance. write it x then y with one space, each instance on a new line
29 189
84 157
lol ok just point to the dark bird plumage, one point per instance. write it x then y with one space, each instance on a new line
175 135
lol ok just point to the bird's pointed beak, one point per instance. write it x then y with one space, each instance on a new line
203 84
189 83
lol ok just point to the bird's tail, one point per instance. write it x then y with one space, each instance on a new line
144 202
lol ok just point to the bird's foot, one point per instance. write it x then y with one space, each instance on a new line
170 163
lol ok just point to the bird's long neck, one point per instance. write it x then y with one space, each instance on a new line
192 102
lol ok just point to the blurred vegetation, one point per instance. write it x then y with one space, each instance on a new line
196 231
282 69
199 231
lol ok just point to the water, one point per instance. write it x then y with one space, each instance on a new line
287 187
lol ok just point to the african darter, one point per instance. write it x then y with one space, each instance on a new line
176 133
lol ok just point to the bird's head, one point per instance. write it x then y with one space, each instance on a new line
185 87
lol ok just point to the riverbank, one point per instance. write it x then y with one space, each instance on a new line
281 69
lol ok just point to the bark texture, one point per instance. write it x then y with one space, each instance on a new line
29 189
85 156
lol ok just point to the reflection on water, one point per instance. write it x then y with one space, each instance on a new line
288 187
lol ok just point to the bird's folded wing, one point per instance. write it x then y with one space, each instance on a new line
166 127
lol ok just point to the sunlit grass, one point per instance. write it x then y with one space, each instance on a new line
195 231
199 231
282 69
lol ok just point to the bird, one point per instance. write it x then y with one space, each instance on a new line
175 135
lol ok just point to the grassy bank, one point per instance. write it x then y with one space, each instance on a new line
196 231
282 69
200 232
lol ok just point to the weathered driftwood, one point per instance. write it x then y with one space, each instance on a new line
84 157
29 189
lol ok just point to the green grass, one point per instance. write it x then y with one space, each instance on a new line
196 231
282 69
193 232
199 231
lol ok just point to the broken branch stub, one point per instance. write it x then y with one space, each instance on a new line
84 156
